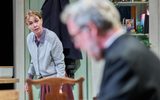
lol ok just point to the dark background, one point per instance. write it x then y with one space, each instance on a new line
6 38
6 34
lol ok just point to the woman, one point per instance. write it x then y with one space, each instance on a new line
45 48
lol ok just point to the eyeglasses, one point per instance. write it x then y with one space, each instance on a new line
80 31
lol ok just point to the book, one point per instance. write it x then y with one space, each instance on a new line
129 23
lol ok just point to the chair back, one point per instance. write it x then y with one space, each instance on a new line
55 87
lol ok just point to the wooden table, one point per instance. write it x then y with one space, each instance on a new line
9 95
4 80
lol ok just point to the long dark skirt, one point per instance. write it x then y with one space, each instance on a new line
44 90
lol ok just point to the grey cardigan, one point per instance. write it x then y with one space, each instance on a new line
47 59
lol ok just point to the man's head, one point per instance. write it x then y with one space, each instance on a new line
90 23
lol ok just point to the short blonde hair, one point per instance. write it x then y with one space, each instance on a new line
32 13
98 11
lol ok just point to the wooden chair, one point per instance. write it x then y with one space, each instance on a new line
55 85
9 95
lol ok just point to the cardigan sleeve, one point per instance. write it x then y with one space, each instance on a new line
31 70
58 57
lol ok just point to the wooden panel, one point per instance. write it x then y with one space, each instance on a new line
4 80
133 15
9 95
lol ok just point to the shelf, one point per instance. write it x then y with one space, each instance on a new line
135 2
6 66
139 34
4 80
130 3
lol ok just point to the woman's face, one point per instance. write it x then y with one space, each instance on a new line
35 24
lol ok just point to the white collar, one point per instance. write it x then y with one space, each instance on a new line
111 39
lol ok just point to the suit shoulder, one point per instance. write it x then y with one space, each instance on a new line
126 47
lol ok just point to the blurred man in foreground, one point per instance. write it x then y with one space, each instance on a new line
131 70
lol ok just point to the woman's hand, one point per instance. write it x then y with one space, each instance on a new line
26 87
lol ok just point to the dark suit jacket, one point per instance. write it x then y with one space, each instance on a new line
132 72
51 10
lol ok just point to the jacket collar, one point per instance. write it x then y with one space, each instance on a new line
42 38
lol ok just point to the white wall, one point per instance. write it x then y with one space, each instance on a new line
6 72
18 23
154 28
97 71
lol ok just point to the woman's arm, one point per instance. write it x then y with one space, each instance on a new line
58 57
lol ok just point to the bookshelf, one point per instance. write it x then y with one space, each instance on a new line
135 17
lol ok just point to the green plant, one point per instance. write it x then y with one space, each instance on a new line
145 40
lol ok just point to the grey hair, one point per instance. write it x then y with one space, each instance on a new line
101 12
